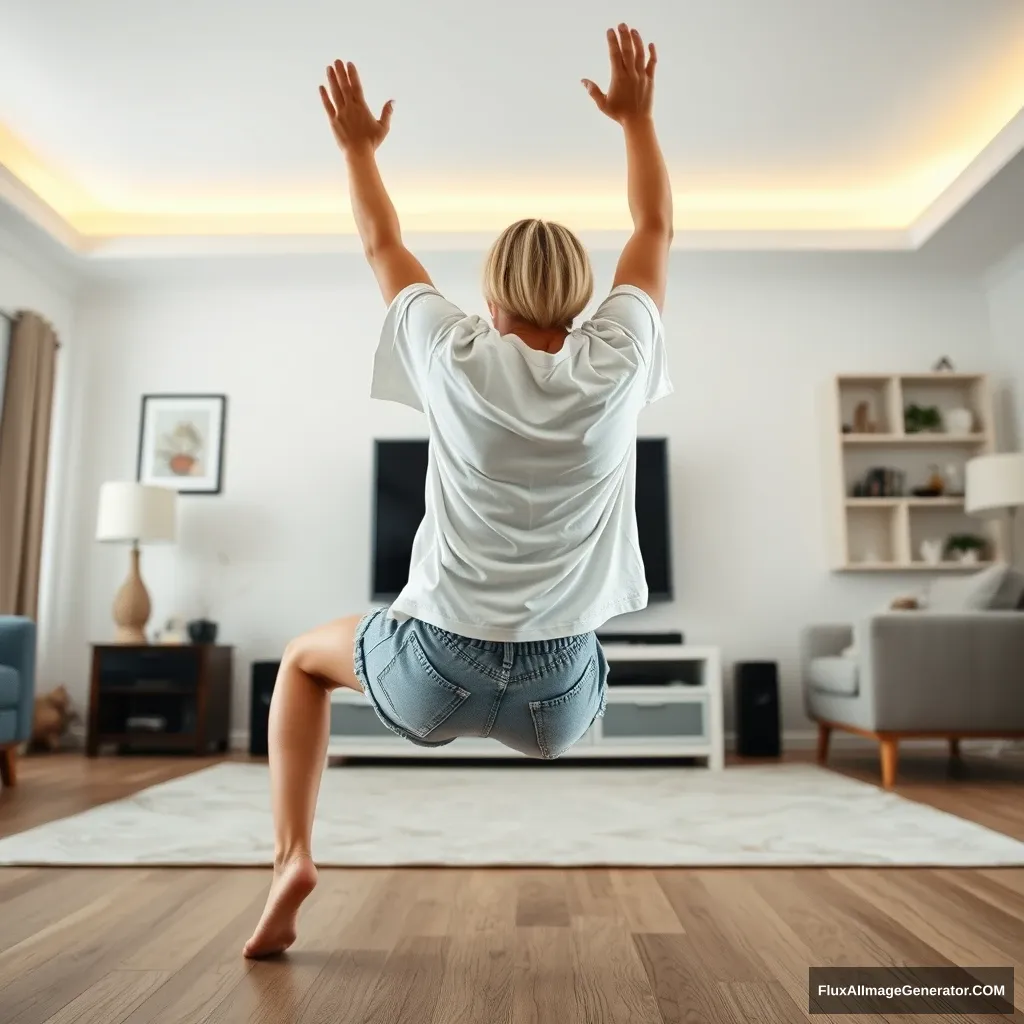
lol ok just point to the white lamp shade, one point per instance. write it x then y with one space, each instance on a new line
995 483
137 512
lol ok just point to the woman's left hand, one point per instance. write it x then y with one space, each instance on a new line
351 121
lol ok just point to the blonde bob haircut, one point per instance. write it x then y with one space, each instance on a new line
539 273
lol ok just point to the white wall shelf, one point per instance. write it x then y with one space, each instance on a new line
937 440
884 532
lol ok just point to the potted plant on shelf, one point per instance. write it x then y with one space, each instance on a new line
966 547
918 419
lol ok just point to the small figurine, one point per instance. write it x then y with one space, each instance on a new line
944 365
862 419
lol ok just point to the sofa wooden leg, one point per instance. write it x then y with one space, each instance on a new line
8 766
824 732
954 747
890 760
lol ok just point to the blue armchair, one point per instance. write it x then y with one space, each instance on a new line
17 689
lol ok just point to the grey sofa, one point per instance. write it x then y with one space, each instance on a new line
916 674
17 689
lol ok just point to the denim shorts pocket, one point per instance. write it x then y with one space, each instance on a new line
418 696
562 721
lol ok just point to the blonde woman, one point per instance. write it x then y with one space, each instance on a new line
529 542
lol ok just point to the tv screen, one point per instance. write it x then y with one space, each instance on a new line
400 478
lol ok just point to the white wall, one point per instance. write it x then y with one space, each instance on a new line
286 546
33 277
1006 310
1006 306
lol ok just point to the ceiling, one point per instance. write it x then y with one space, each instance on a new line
785 123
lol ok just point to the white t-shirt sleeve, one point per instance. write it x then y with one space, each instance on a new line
418 320
629 317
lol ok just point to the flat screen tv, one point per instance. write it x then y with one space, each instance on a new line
400 478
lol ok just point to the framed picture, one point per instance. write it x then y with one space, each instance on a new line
181 442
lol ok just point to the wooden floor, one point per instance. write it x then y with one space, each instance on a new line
106 946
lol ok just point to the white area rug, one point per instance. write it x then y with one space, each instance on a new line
789 815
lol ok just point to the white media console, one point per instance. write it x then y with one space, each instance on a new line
680 718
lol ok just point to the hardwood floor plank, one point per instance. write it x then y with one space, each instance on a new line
764 1002
960 940
485 901
1011 878
433 901
685 993
832 926
221 897
542 900
379 922
341 992
410 983
756 928
15 881
643 902
610 981
110 999
478 980
589 893
216 968
542 987
95 947
720 946
66 890
992 890
995 924
61 927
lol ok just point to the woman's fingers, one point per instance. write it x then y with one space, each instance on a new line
652 61
638 52
614 51
328 105
626 46
354 82
595 93
334 84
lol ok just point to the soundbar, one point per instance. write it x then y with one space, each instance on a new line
640 638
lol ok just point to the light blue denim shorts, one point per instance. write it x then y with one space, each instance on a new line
431 686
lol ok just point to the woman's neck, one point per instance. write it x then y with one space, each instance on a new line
543 339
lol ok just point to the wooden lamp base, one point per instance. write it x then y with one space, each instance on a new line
132 606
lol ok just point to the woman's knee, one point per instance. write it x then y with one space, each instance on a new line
325 653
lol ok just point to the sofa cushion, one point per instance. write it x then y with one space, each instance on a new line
10 686
838 676
972 593
1010 595
9 726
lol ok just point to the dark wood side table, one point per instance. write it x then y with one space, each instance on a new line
160 698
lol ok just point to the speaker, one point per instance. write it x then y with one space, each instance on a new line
757 709
263 675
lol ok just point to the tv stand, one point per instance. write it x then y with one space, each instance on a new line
675 639
679 716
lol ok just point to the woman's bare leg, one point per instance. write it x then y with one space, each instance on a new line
313 665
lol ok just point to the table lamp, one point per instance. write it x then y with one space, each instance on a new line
995 484
135 514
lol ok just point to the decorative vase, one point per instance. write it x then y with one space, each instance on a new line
931 551
959 422
969 557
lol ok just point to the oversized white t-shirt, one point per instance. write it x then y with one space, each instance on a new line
530 526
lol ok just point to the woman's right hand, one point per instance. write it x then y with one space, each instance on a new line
631 92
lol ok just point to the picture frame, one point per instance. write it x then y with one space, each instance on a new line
181 442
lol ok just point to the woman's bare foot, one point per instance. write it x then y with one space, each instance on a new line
293 881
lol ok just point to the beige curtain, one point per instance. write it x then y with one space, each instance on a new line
24 454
